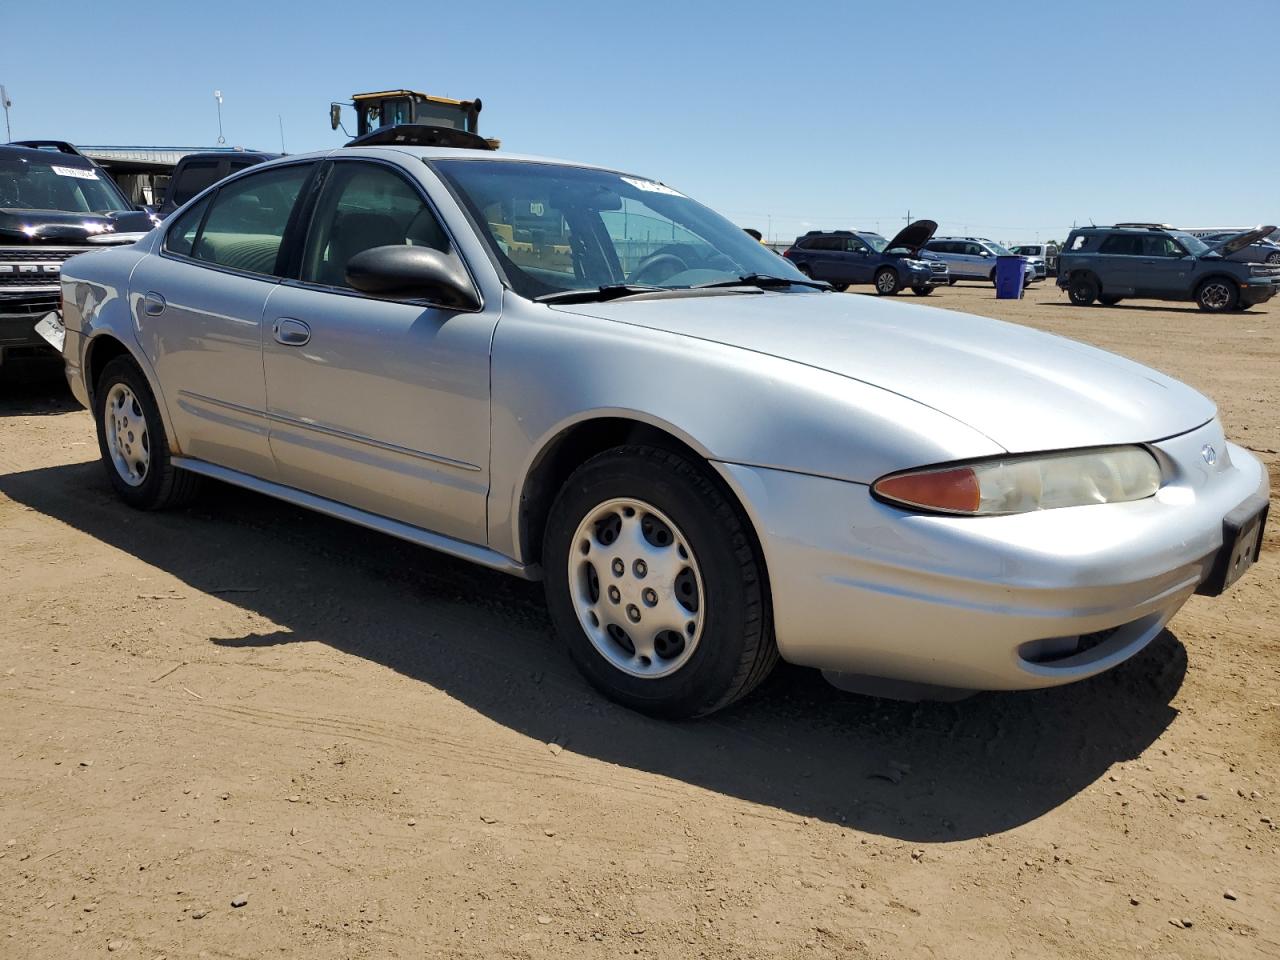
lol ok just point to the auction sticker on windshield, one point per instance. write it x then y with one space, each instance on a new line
80 172
652 187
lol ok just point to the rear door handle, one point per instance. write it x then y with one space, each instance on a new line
290 332
153 304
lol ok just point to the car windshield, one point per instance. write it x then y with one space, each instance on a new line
1193 245
34 183
875 241
554 228
1001 251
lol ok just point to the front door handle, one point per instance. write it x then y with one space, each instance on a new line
290 332
153 304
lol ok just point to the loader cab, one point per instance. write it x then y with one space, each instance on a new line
397 107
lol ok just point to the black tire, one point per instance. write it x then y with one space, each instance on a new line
922 291
951 281
804 268
1108 299
839 287
887 282
736 648
1217 295
1274 258
161 484
1083 290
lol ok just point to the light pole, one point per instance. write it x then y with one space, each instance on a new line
217 95
4 99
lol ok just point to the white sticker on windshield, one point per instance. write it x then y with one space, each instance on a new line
81 172
650 186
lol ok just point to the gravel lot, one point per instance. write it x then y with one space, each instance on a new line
384 751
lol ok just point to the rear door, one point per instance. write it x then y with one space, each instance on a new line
1120 263
198 309
378 403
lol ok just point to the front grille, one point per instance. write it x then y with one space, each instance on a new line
938 267
37 254
44 278
28 306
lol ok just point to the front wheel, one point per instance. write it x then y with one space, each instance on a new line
1083 291
887 283
131 438
1274 258
922 291
656 585
1109 300
1217 295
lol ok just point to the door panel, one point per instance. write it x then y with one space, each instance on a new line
380 404
385 406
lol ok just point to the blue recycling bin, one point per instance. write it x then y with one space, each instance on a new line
1009 273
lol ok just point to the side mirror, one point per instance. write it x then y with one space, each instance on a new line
335 115
986 253
412 273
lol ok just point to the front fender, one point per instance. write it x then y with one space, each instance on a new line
552 369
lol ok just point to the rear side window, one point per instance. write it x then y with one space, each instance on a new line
195 176
181 238
1122 244
247 220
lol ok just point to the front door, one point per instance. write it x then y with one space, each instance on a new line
199 309
1166 267
380 404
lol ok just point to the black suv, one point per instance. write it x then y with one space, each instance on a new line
1157 262
842 257
196 171
53 205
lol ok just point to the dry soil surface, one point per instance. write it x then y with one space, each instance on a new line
385 753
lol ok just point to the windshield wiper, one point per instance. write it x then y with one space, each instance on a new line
764 281
608 291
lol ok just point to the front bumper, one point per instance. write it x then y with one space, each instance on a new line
995 603
19 315
1257 290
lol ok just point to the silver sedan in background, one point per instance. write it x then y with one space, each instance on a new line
584 376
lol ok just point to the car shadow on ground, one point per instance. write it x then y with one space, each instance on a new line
919 772
32 388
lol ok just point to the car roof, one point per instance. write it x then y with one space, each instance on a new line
48 156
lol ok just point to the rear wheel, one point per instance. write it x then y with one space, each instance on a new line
887 283
839 287
656 585
1083 290
805 269
131 438
1217 295
922 291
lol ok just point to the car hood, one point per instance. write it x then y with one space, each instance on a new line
62 227
914 235
1023 389
1238 242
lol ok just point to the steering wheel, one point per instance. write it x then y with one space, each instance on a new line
655 260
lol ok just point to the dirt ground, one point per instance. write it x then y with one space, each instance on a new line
386 753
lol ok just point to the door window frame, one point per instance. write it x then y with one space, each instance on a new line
306 217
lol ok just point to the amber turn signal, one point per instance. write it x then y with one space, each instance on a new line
955 490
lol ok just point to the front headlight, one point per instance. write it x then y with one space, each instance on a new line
1021 484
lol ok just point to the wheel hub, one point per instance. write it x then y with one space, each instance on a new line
636 588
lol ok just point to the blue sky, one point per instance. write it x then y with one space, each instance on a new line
1007 119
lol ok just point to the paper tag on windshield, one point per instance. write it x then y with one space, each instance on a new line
650 187
81 172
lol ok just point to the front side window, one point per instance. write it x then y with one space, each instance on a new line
245 225
181 238
854 245
365 205
1158 246
554 228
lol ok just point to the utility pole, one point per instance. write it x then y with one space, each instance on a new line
217 95
281 120
4 99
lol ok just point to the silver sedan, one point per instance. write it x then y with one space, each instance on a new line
583 376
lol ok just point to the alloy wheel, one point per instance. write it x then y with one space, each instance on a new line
1215 295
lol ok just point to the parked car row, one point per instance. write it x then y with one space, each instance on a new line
709 458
